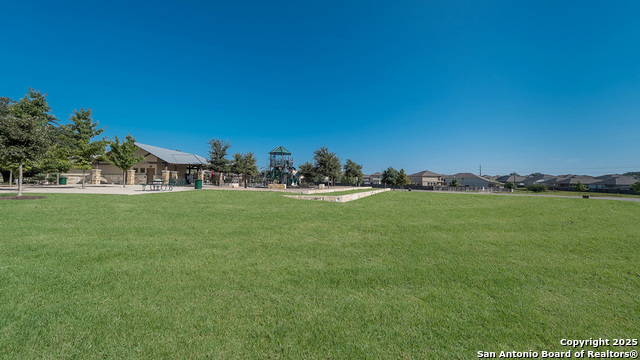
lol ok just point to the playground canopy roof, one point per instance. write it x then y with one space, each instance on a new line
173 156
280 150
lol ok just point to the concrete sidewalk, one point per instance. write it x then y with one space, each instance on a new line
89 189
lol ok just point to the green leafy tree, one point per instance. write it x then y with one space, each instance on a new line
327 164
84 151
636 186
25 131
352 173
217 157
510 185
57 160
237 165
580 187
251 167
390 176
244 165
307 172
122 155
403 179
537 187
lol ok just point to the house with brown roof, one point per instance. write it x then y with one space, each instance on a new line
427 178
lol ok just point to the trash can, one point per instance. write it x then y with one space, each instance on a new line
63 181
198 184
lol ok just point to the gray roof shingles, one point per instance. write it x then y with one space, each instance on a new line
173 156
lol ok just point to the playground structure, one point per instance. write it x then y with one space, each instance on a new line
281 169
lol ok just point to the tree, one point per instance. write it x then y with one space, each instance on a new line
57 159
403 179
251 168
327 164
390 176
245 165
122 155
537 187
636 186
84 151
25 131
580 187
353 173
217 157
510 185
307 172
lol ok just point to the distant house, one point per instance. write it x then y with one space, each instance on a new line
613 181
537 179
469 179
373 179
156 160
567 182
427 178
517 179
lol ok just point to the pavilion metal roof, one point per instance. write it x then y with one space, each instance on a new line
173 156
280 150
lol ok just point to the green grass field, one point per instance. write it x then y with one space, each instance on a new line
233 274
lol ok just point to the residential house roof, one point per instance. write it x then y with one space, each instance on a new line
573 179
173 156
426 173
505 178
617 180
536 179
466 176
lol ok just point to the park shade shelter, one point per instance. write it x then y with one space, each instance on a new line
173 160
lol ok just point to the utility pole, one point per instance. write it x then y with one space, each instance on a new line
480 169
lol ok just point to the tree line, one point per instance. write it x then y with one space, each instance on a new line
325 165
32 139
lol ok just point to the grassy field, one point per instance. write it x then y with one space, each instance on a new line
232 274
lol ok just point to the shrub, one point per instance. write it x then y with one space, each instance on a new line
509 185
537 187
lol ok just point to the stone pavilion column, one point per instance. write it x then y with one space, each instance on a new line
95 176
165 175
131 177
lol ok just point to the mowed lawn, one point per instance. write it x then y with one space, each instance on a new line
232 274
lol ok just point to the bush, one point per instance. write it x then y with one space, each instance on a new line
509 185
537 187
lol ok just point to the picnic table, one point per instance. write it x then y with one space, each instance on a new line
159 185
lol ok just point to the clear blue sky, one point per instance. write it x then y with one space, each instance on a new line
446 86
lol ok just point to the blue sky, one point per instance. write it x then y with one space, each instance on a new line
520 86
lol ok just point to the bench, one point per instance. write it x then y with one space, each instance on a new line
143 186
